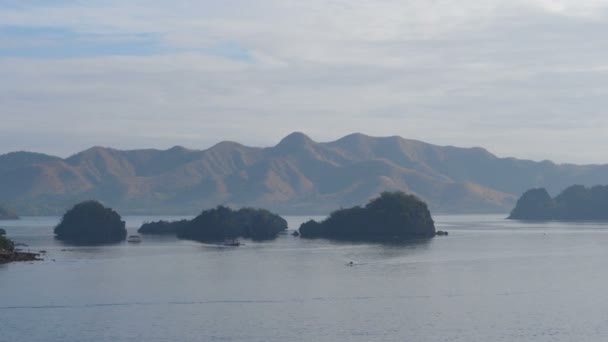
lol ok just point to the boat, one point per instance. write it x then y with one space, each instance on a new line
134 239
231 243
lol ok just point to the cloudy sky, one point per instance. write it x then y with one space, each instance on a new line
522 78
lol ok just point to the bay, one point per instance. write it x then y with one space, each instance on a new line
489 280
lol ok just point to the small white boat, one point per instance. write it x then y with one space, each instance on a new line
134 239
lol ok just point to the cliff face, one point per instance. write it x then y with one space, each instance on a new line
298 175
575 203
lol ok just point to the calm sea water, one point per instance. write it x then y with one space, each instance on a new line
489 280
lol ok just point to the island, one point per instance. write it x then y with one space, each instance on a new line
90 222
162 227
576 203
222 223
8 253
7 214
393 215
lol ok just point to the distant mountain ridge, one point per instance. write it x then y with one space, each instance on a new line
298 175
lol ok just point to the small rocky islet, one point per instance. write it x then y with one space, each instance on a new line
90 223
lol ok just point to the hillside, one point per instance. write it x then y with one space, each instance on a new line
298 175
7 214
576 203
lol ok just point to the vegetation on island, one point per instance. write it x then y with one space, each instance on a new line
162 227
573 204
222 223
90 222
6 244
7 214
392 215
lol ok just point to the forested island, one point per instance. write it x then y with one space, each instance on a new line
392 215
222 223
90 222
576 203
7 214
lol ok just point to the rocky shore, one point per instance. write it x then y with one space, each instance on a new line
8 253
11 256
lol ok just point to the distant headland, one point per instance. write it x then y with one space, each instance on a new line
393 215
576 203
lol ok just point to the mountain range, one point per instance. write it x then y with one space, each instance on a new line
297 176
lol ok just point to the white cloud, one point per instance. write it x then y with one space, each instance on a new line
587 8
492 73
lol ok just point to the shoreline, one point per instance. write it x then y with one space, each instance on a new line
18 256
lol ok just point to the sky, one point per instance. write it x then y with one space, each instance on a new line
527 79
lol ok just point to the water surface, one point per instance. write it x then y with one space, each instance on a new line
489 280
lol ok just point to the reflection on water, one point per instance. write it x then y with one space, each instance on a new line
489 280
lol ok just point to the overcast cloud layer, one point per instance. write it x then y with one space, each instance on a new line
522 78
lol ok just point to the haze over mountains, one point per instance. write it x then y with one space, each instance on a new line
298 175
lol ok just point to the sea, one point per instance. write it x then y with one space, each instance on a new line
490 279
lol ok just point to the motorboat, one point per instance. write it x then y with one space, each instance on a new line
134 239
231 243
